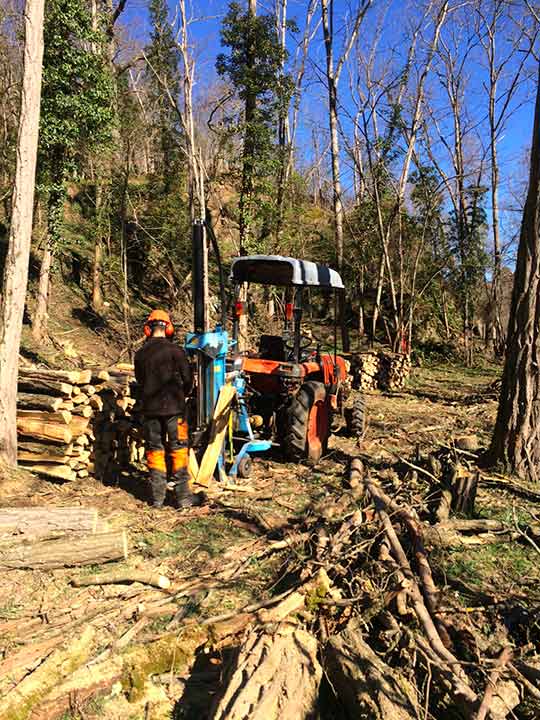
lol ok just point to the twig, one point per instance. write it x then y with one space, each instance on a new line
503 659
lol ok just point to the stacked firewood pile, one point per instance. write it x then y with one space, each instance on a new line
72 423
380 370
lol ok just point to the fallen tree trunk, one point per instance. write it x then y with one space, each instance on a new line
364 684
28 401
66 552
18 703
36 521
284 676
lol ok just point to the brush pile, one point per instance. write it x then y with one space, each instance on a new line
380 370
72 423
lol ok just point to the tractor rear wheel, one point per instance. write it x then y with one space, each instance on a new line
356 417
307 424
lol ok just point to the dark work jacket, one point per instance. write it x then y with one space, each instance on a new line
164 376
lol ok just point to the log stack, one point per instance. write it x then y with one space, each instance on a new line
72 423
380 370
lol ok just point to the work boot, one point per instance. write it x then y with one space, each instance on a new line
183 494
158 488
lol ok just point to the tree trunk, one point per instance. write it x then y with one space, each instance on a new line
97 294
276 677
39 324
365 685
516 438
15 277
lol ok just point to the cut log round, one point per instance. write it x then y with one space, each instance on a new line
26 401
284 676
66 552
366 685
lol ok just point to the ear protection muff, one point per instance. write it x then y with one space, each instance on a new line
158 316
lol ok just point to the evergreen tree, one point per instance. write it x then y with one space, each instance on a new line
76 116
253 65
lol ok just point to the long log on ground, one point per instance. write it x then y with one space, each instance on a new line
364 684
66 552
28 401
73 377
169 654
283 677
63 417
46 520
47 387
18 703
43 430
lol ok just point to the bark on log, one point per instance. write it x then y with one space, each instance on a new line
17 704
66 552
73 377
47 387
41 452
43 430
365 685
284 676
37 521
28 401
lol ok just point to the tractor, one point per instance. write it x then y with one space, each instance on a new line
288 392
294 388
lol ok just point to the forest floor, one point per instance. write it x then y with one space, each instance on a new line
216 556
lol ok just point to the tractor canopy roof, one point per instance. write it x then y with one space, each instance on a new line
278 270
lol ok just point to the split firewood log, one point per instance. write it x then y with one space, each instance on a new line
42 452
283 677
43 430
60 416
52 470
66 552
364 684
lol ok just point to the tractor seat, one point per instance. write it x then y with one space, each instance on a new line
272 347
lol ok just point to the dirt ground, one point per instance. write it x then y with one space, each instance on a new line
38 610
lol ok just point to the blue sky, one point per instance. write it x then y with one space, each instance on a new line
513 147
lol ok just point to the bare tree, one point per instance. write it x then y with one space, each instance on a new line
16 267
516 438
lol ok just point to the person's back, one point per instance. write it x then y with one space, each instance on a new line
164 376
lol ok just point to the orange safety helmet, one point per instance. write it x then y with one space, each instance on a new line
159 316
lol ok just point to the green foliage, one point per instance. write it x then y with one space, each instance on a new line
254 67
76 101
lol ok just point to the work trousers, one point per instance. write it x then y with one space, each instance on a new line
166 444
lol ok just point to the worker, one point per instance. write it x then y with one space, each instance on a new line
163 374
